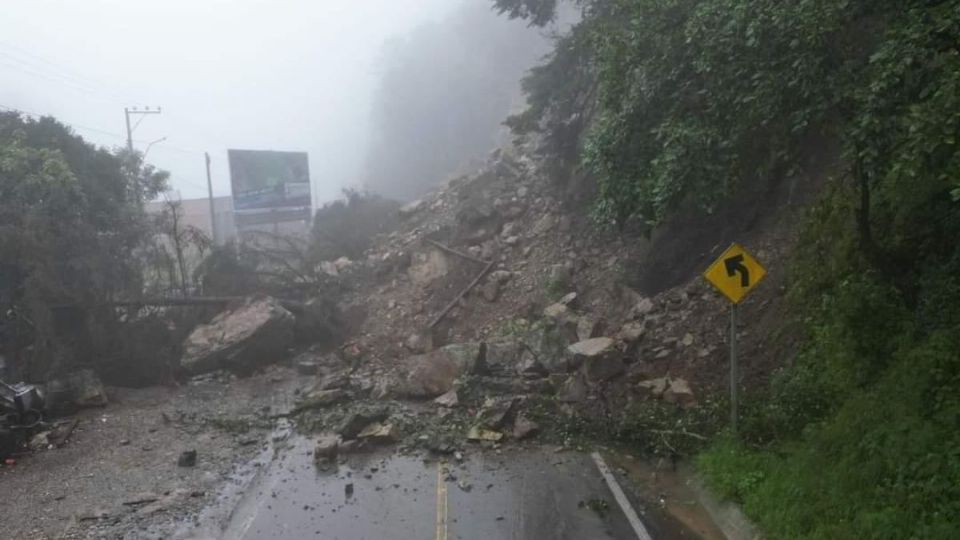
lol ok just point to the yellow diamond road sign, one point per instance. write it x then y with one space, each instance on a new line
735 273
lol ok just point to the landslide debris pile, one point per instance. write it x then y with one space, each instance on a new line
494 308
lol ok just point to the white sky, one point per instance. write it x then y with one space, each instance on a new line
252 74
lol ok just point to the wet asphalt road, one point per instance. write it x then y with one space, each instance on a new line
514 495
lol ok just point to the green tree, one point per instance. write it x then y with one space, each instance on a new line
69 227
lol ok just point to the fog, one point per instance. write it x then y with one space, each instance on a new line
253 74
445 90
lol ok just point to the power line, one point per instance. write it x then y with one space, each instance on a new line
44 71
115 135
48 78
46 66
70 124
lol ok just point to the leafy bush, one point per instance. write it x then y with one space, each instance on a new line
886 465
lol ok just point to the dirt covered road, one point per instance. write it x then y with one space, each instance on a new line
118 475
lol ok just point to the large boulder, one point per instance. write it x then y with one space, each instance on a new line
432 374
243 337
600 358
548 343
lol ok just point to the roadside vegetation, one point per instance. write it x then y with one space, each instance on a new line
678 105
71 224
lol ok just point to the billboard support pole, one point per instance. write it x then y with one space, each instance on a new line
213 213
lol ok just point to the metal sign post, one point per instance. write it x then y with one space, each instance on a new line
735 274
734 376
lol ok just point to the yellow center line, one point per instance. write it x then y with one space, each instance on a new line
441 504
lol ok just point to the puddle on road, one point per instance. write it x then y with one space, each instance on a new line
673 510
518 494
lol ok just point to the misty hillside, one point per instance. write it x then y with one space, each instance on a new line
445 91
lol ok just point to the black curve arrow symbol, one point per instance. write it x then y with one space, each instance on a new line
734 266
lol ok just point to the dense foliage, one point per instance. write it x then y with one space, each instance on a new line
698 99
70 221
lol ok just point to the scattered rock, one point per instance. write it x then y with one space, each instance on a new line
653 387
523 427
477 433
679 392
496 413
419 342
501 276
569 299
326 449
328 268
599 356
434 373
642 308
557 312
411 208
559 274
429 266
450 399
589 327
549 344
543 225
40 441
254 333
318 399
379 433
531 367
354 423
490 291
687 340
335 380
188 458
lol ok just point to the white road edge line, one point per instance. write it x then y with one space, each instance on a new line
621 499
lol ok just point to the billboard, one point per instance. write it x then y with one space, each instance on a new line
268 180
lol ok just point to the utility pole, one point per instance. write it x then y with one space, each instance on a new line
127 111
213 213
